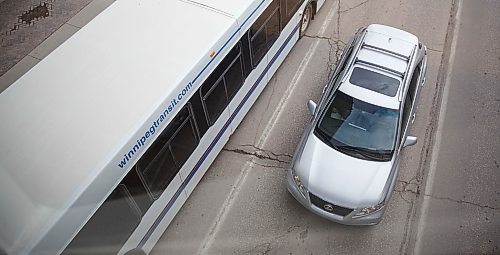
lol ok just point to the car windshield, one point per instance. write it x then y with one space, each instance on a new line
358 128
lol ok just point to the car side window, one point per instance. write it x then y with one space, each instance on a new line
412 90
406 115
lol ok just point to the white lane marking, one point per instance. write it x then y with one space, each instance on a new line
214 229
298 75
435 151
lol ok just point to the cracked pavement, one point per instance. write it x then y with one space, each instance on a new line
412 187
267 156
336 47
248 179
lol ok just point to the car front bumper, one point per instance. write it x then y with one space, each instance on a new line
370 219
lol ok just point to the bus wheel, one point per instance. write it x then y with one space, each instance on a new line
306 19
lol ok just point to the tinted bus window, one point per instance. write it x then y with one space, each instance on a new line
264 32
292 6
160 172
273 28
245 51
231 76
137 190
234 75
158 165
109 228
199 115
184 142
258 45
215 101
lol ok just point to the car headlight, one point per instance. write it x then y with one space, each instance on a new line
298 183
368 210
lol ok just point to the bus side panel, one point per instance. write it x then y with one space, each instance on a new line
209 148
284 44
162 212
166 207
159 207
251 89
193 171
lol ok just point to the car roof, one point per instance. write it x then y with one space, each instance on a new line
369 95
387 51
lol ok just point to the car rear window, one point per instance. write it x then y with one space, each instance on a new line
374 81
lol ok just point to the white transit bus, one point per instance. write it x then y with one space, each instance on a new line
102 142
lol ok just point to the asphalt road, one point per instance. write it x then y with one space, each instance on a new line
242 207
446 200
461 209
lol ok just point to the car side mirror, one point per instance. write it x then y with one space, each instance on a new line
311 105
409 141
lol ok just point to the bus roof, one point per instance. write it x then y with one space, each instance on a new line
66 121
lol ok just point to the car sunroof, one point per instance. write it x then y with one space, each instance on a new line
374 81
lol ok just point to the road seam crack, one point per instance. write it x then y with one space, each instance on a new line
461 202
262 154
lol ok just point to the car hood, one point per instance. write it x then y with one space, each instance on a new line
339 178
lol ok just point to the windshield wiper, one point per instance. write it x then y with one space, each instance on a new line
352 149
378 155
386 154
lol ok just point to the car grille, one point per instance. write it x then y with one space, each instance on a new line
335 209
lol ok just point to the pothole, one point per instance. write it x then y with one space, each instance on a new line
32 15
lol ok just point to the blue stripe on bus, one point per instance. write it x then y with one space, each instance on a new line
214 142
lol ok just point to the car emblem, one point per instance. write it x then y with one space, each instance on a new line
328 207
